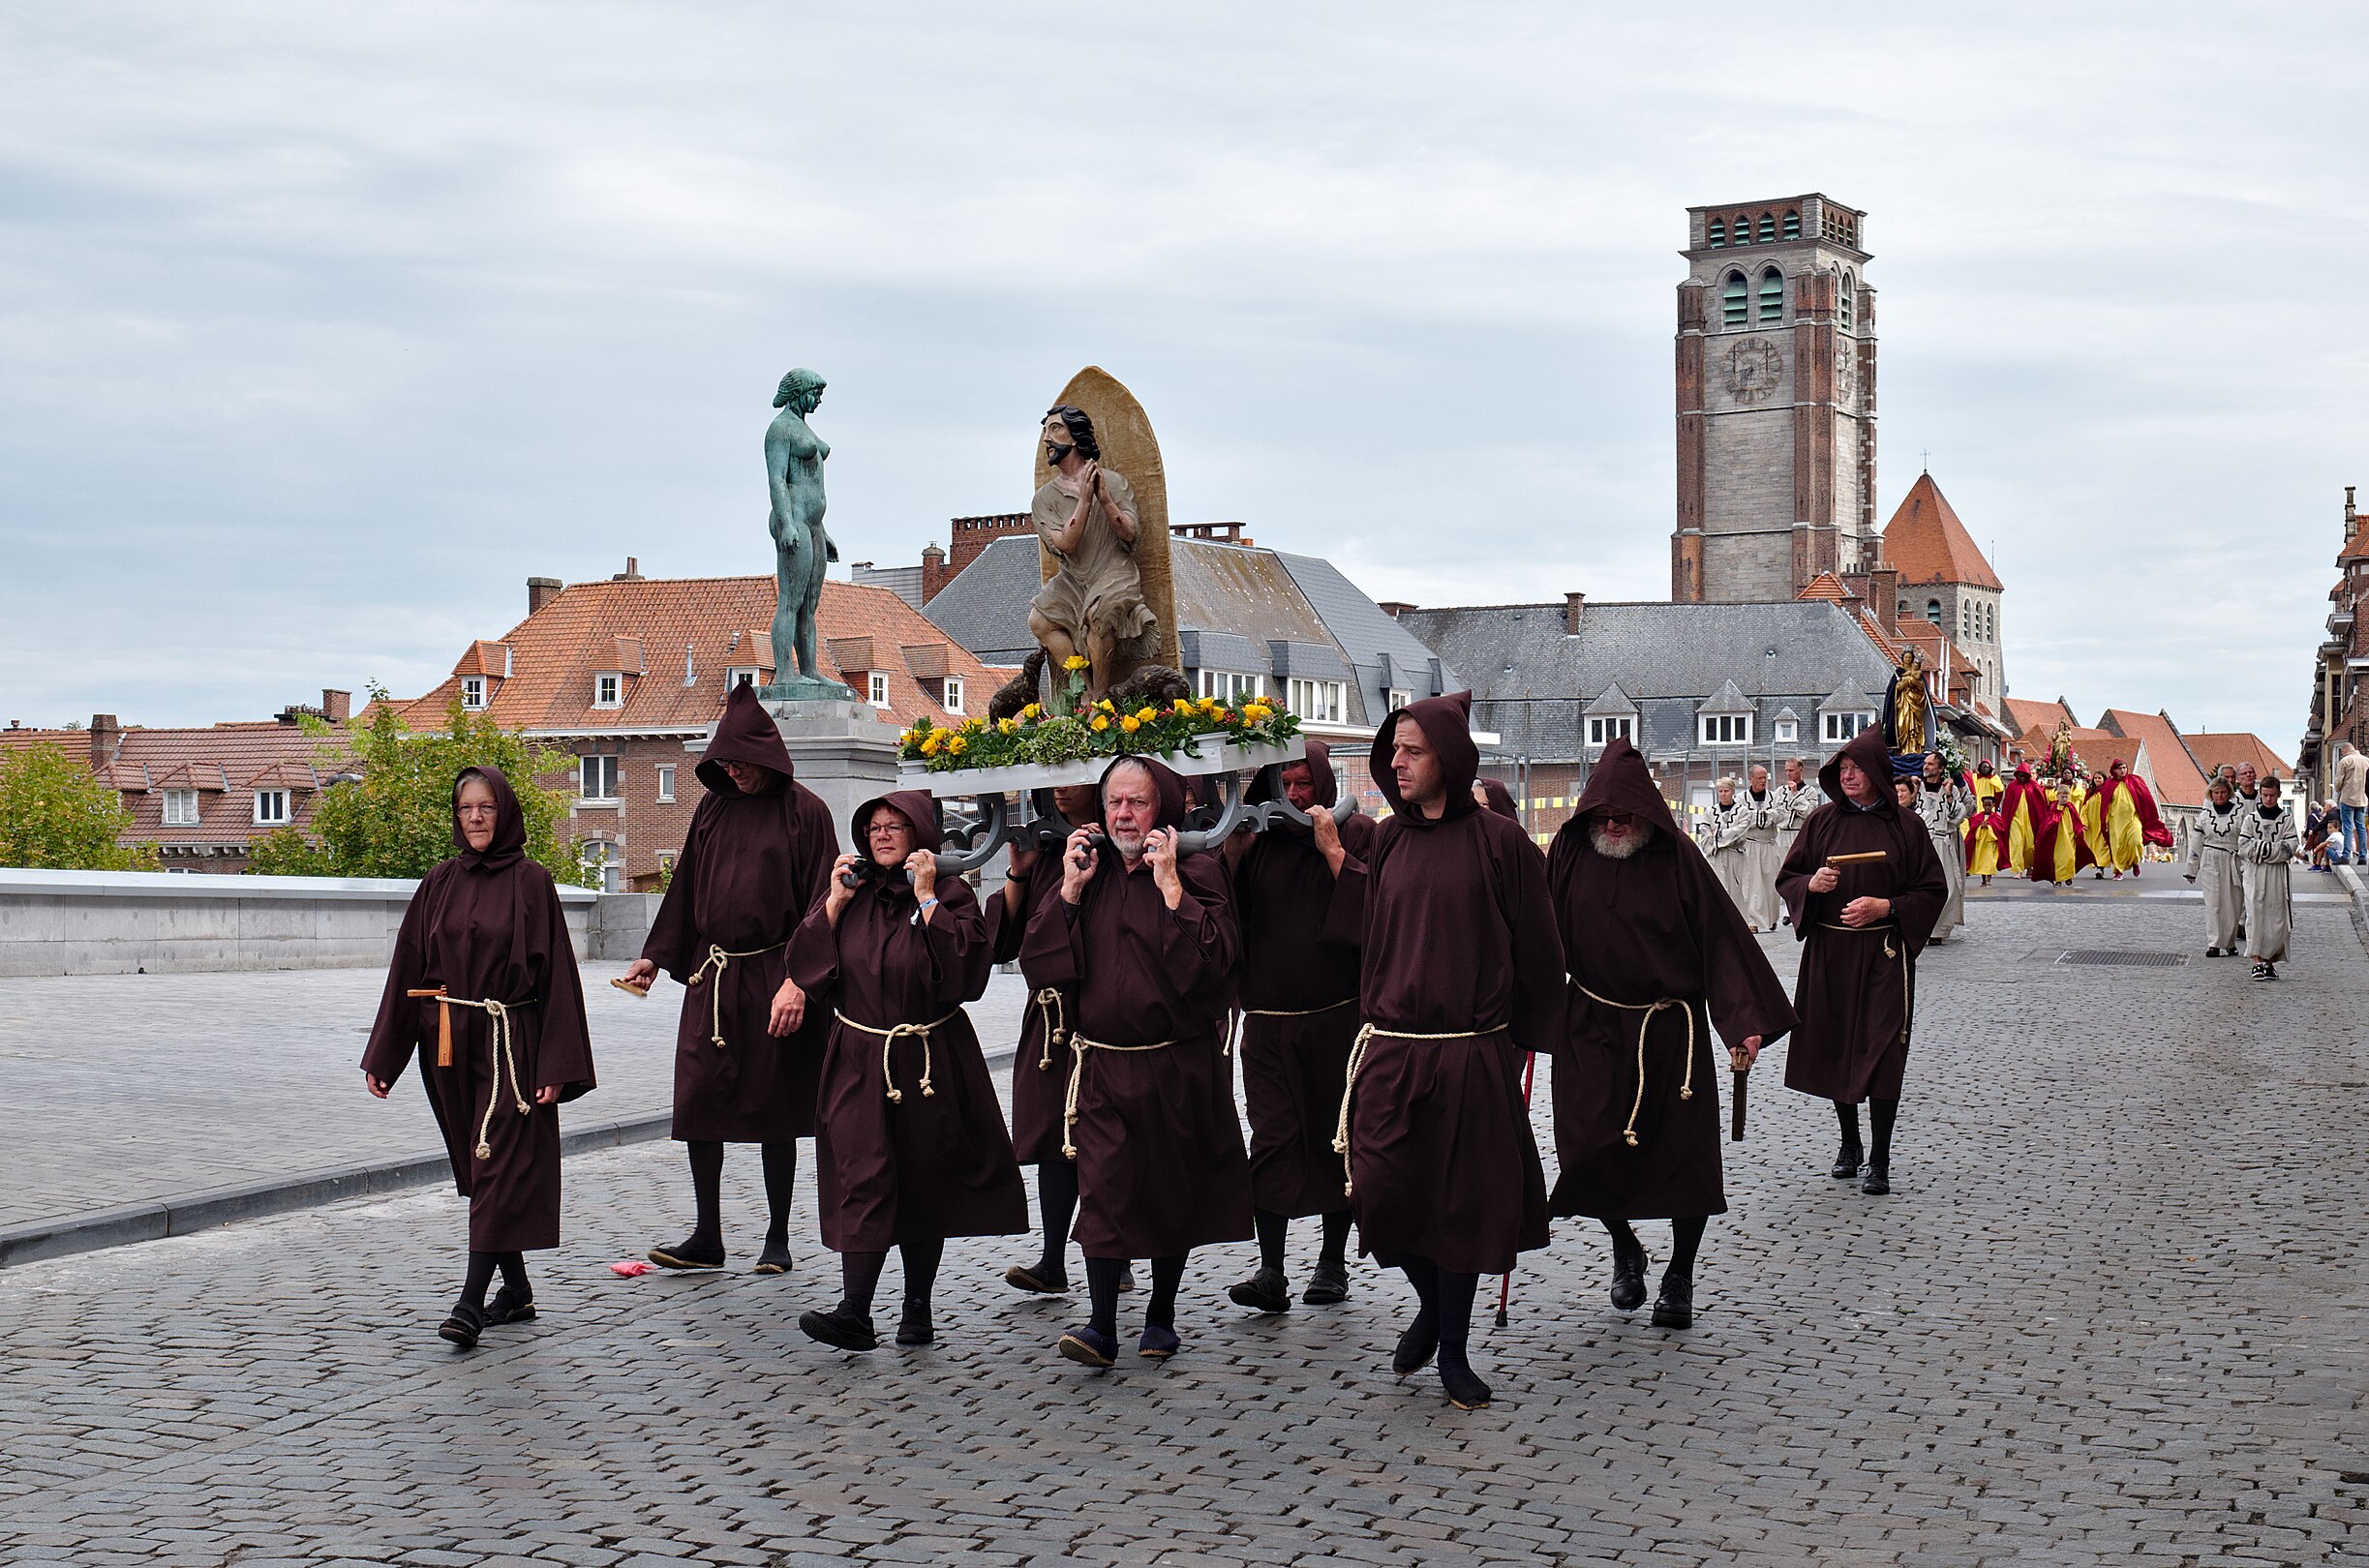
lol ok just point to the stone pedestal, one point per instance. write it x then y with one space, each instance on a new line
843 751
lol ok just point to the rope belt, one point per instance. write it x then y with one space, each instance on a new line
505 1049
1049 1013
1081 1045
1348 1085
888 1042
1686 1087
718 960
1304 1012
1909 998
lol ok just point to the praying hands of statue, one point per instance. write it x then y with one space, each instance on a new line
1077 862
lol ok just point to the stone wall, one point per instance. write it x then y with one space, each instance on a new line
123 923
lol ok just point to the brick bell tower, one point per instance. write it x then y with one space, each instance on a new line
1776 400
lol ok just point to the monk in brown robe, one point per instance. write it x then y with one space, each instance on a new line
1147 938
504 1040
1861 925
909 1142
1299 987
1659 955
748 1049
1461 974
1040 1067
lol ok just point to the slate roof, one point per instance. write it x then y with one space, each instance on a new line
1926 543
1532 681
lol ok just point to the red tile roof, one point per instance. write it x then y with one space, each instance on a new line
2176 779
2245 746
2023 715
1825 585
2356 548
77 742
1925 543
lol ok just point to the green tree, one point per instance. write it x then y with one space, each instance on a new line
54 813
395 819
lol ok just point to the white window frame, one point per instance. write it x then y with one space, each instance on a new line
271 808
1843 726
666 782
609 859
743 673
1724 729
180 808
1603 729
1315 701
609 689
1397 697
596 768
1788 732
879 689
472 693
1230 685
953 695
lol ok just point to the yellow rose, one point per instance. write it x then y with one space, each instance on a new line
1105 705
1076 661
973 726
1183 706
955 744
1211 705
1101 723
1131 724
1009 726
1032 711
929 744
1146 713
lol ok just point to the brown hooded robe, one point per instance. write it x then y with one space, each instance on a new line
1041 1065
1856 994
1655 925
1459 943
1299 1005
934 1162
487 925
1161 1168
750 869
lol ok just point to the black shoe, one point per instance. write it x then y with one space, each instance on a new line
463 1326
1037 1281
2212 952
774 1259
1158 1343
913 1325
1330 1283
843 1331
1415 1348
1090 1346
1264 1291
510 1306
691 1255
1847 1160
2262 971
1628 1275
2270 970
1674 1308
1878 1182
1465 1390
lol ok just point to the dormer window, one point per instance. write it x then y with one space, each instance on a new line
472 693
953 703
744 674
180 808
1603 729
1788 732
1726 728
879 684
609 689
270 809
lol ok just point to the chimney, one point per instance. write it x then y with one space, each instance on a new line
632 572
337 707
542 591
934 574
1884 587
1394 607
106 739
1572 604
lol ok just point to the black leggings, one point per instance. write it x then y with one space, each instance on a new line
1880 1116
860 1277
1102 1275
481 1267
707 1187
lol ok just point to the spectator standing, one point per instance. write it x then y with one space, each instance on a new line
2352 802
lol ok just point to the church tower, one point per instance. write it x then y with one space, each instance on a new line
1776 400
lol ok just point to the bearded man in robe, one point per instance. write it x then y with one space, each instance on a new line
1862 924
1658 956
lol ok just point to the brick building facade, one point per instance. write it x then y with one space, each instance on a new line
2340 669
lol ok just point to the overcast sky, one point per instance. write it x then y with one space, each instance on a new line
321 328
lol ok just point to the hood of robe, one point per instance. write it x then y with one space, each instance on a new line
509 822
1166 782
1320 774
917 806
1447 723
746 733
1621 782
1874 759
1501 799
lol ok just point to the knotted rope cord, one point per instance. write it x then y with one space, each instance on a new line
505 1049
1079 1046
1686 1087
1304 1012
718 959
1908 995
1049 1013
1348 1085
888 1042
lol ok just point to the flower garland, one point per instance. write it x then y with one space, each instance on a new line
1093 730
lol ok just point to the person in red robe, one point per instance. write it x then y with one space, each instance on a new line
2127 820
748 1049
1041 1065
1147 940
1861 925
2062 847
2024 809
909 1142
503 1041
1461 975
1299 1016
1659 955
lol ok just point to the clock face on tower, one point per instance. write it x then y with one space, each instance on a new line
1846 368
1751 370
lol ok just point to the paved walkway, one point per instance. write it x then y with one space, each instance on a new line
2113 1313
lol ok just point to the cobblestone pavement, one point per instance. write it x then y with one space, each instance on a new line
2111 1314
134 1088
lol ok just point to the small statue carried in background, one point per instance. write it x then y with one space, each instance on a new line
802 550
1909 709
1086 520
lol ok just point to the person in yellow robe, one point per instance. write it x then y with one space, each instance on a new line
1984 830
2025 811
1989 786
2128 820
2090 802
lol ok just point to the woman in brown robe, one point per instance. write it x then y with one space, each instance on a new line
1659 955
1462 974
909 1143
1040 1067
486 931
1147 937
1299 1016
748 1049
1862 926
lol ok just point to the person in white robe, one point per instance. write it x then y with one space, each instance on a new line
1760 849
1941 806
1730 822
2271 847
1796 799
2215 846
